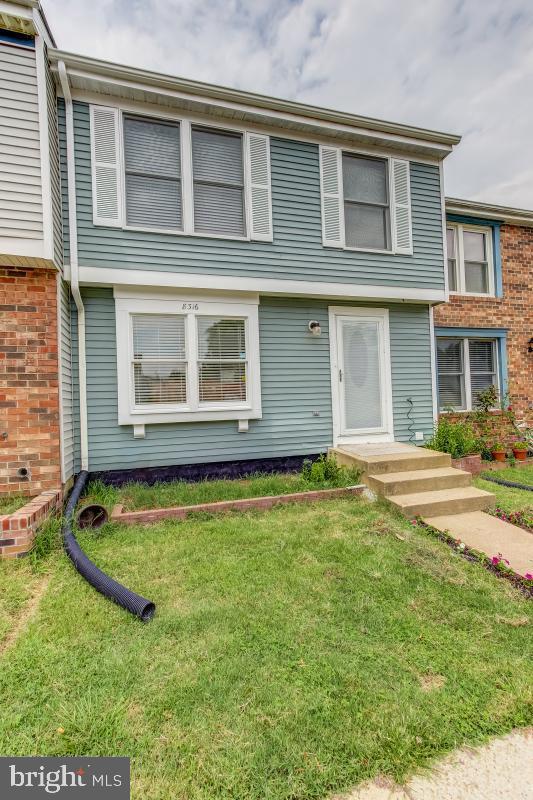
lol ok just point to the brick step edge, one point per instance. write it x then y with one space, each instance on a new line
17 530
181 512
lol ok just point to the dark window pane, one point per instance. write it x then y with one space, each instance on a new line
451 391
476 277
218 209
153 202
217 157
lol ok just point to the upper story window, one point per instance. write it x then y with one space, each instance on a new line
470 262
218 178
152 166
366 202
167 175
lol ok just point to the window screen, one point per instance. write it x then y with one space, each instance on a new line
452 259
366 202
482 366
451 373
476 265
159 359
153 173
218 182
222 359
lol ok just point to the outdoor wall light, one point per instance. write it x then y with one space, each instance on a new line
529 349
314 328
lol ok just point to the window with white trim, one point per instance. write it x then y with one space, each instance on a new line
470 259
466 367
169 175
181 360
366 202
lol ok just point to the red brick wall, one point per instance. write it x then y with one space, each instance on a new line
513 311
29 395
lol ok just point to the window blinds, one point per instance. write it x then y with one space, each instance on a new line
159 359
222 364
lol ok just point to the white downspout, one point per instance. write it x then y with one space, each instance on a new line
74 266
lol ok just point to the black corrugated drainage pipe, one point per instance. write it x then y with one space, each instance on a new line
134 603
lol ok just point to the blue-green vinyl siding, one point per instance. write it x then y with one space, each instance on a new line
295 387
296 253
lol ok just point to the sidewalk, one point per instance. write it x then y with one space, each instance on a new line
490 535
500 770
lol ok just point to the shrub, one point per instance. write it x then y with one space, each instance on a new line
456 438
326 471
487 399
497 447
520 446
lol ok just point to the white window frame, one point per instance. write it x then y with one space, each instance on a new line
468 406
390 188
459 228
128 304
187 183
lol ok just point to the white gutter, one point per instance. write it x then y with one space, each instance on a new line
74 266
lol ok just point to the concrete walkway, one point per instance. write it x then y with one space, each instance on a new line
501 770
490 535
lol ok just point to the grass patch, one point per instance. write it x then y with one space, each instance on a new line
506 497
11 503
18 581
140 496
295 652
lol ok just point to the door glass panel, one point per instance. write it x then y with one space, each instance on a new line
361 382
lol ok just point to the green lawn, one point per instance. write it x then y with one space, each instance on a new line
508 498
139 496
11 503
294 653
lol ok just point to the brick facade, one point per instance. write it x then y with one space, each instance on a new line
29 394
513 311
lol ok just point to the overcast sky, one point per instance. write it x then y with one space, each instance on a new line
465 67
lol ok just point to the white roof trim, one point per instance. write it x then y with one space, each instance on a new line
104 276
109 78
512 216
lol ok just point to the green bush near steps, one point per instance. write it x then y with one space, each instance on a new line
456 438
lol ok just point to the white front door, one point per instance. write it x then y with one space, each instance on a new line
361 380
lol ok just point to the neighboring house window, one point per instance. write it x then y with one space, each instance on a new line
187 360
152 164
366 202
173 176
470 261
218 177
466 367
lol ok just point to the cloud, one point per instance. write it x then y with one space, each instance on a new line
463 66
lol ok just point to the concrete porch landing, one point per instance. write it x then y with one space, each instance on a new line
491 536
417 481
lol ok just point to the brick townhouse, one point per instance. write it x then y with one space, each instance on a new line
484 333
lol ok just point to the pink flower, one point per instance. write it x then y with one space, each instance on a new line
495 561
528 576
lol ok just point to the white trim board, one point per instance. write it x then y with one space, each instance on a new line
104 276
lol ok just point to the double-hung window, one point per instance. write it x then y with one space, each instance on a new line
470 260
466 367
366 202
182 360
175 176
218 179
152 168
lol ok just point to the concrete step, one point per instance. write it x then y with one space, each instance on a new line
442 501
406 459
419 480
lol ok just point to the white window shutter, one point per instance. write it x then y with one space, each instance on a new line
105 162
401 207
331 196
259 187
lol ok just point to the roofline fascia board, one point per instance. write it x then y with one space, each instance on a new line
182 88
489 211
109 276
